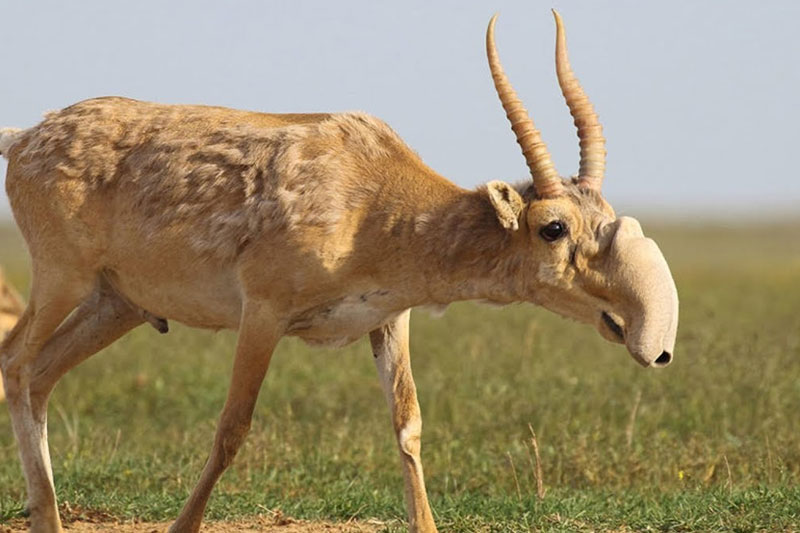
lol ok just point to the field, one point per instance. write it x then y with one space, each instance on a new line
711 443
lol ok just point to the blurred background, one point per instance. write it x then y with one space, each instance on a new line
698 102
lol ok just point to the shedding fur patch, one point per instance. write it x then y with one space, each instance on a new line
218 177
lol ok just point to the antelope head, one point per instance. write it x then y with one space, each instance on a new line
589 264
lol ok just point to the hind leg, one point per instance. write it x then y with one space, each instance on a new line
101 319
53 297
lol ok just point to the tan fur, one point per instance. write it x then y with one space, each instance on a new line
324 227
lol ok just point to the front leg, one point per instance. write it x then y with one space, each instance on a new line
392 357
259 332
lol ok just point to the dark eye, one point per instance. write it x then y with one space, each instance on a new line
553 230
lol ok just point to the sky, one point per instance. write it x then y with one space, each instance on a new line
698 99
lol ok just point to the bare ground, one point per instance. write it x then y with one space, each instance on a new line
95 522
243 526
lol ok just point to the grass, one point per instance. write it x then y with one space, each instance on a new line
713 446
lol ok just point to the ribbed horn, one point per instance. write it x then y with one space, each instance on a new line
590 132
545 178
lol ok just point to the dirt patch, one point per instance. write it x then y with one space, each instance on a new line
255 525
89 521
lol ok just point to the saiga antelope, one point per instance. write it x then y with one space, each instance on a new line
320 226
11 307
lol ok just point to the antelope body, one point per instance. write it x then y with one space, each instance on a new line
326 227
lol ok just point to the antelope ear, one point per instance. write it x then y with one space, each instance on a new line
507 203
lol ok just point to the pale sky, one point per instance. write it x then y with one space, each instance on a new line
699 100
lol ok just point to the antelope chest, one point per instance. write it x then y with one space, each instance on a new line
343 320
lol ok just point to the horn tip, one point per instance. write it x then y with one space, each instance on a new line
557 16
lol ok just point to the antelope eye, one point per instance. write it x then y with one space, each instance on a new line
553 231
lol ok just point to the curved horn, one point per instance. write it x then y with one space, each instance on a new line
545 178
590 132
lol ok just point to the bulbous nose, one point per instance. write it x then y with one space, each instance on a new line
662 360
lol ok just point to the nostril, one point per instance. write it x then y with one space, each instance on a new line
664 359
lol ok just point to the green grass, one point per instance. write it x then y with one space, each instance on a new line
715 444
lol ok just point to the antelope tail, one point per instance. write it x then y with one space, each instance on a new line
8 136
